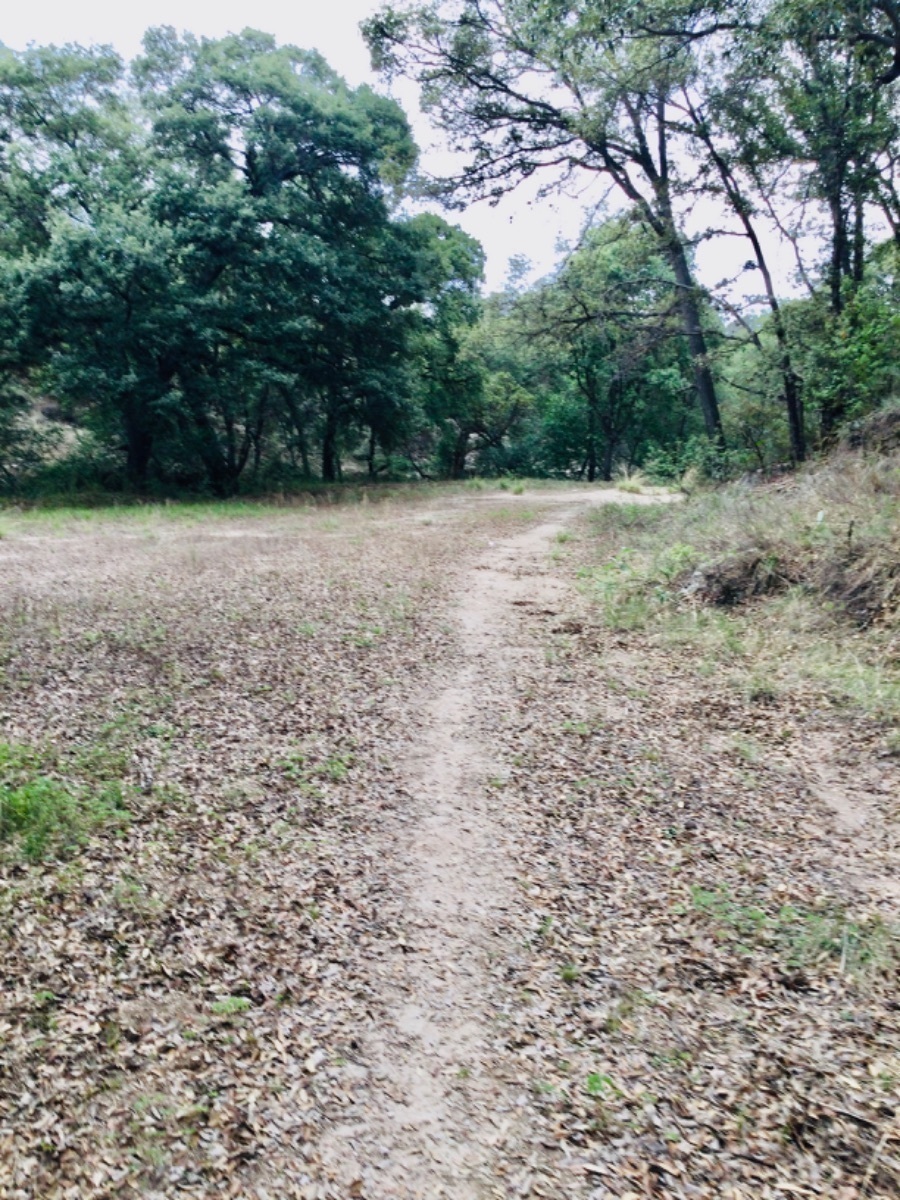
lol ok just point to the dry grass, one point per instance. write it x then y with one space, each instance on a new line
792 585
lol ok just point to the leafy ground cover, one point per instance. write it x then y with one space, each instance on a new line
710 1000
240 682
673 889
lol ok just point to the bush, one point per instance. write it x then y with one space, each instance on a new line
698 457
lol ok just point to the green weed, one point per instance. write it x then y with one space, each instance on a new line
365 638
602 1086
801 938
299 768
748 749
43 1016
582 728
46 815
230 1006
154 1104
132 895
673 1058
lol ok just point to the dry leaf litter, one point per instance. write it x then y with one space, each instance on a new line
431 885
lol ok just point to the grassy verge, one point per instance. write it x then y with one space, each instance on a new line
63 507
795 586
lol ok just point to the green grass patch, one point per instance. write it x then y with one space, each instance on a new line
809 939
230 1006
305 770
794 590
602 1086
57 511
43 815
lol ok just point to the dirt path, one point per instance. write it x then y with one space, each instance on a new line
438 1116
443 1112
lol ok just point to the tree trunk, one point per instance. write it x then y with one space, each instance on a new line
609 425
693 328
460 454
592 441
834 407
138 451
370 456
793 396
304 453
838 254
834 410
606 465
297 423
329 447
256 433
859 239
794 403
792 391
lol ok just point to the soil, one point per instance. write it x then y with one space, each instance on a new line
433 887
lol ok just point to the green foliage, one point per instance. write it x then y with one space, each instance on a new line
697 458
208 280
628 585
43 814
850 357
216 281
230 1006
608 360
670 103
602 1086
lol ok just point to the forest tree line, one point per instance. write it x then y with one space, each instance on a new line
213 278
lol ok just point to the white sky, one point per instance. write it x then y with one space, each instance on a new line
519 225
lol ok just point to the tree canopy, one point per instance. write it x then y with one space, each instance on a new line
210 255
218 271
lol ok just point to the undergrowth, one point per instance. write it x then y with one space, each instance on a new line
800 938
59 508
780 586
